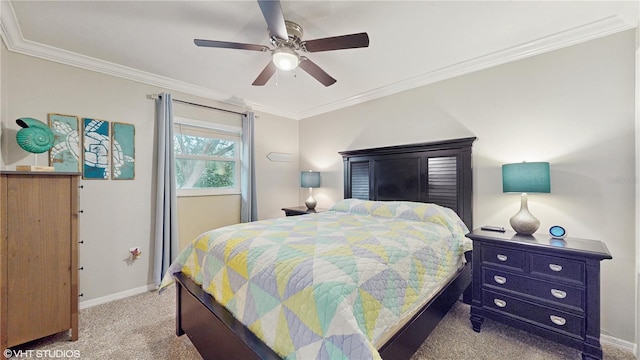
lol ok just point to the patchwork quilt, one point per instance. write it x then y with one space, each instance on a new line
328 285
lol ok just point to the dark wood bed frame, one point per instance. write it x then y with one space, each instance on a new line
438 172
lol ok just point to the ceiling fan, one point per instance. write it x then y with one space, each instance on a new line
286 38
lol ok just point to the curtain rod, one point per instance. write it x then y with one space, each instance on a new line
155 96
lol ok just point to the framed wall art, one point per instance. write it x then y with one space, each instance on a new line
65 155
95 138
122 151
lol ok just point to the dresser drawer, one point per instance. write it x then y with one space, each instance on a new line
501 256
557 268
559 294
541 315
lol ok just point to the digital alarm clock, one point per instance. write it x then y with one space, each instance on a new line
557 232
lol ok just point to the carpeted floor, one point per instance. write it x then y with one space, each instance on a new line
142 327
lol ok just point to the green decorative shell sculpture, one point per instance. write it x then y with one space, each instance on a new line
35 136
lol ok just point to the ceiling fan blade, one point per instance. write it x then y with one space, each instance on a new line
229 45
351 41
272 12
315 71
265 75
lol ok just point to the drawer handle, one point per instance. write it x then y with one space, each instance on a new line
500 279
555 267
558 320
558 293
500 303
502 257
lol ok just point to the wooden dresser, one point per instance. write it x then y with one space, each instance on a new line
542 285
38 256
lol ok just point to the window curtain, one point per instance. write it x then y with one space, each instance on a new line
248 208
166 226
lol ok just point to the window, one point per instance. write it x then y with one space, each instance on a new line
207 158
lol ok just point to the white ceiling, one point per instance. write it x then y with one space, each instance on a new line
412 43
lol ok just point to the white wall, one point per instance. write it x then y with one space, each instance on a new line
119 214
276 182
637 97
572 107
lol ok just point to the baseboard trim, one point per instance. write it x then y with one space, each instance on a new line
116 296
619 343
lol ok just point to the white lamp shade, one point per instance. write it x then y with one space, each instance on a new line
285 59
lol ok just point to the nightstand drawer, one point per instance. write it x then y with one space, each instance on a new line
559 294
557 268
503 257
544 316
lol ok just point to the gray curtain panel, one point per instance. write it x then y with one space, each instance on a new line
248 208
166 226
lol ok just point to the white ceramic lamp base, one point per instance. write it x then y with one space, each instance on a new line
310 202
523 222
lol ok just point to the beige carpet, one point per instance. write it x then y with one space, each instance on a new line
142 327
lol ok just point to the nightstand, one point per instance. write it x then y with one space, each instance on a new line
546 286
301 210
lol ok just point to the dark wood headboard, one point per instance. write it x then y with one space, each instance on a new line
437 172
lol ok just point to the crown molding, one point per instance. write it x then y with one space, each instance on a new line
606 26
12 37
15 42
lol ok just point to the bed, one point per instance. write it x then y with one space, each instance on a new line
415 190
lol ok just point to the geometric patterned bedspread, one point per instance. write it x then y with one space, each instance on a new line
327 285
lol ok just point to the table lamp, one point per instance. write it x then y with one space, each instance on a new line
310 179
525 177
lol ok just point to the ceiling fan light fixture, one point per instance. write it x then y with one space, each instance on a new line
285 59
